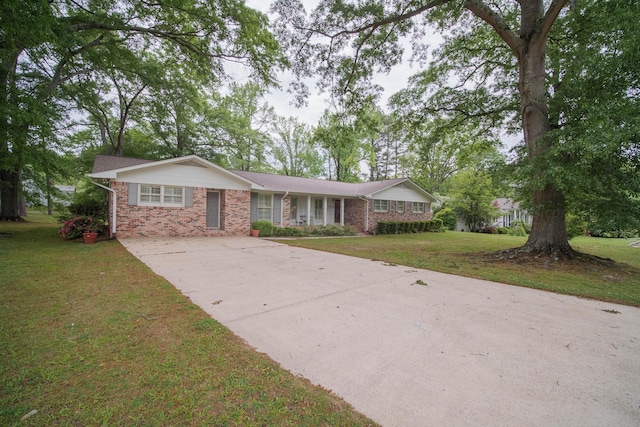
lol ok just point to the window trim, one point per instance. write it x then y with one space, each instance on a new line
264 208
380 208
162 203
415 205
404 208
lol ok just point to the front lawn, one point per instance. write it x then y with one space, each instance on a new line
90 336
468 254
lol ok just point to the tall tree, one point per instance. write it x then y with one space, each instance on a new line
369 32
594 84
339 136
242 123
294 149
472 194
437 152
44 44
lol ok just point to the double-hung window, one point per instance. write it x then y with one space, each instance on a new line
399 207
161 195
418 207
264 206
380 205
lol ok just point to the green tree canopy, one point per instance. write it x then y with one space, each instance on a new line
495 70
46 45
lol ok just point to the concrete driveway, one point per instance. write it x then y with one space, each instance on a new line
411 347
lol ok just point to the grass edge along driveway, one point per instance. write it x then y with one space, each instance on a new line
472 255
91 336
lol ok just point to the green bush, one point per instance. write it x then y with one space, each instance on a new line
517 229
73 227
288 232
614 234
448 218
265 227
382 227
435 225
403 227
490 230
89 201
575 226
328 230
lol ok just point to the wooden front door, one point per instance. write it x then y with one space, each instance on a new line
336 211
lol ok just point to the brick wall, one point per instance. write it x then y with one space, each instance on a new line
393 215
235 212
355 213
150 221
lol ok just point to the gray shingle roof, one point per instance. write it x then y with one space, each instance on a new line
106 163
294 184
269 182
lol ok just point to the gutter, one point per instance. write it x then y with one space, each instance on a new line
113 209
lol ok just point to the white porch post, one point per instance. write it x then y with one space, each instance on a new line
342 211
308 210
324 211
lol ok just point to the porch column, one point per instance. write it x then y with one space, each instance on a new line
324 211
308 210
342 211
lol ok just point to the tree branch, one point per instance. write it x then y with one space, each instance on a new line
484 12
392 19
550 16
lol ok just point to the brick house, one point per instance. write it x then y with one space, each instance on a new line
189 196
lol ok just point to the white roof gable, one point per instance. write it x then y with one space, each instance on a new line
192 171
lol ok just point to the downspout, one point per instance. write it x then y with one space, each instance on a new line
282 209
366 214
113 208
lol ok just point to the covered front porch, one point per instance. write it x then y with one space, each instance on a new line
315 210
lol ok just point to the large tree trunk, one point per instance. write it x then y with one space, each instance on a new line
548 232
9 195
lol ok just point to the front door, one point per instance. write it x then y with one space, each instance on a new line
336 211
213 209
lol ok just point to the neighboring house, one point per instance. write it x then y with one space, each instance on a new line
510 212
190 196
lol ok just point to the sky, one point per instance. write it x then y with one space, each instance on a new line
317 103
393 82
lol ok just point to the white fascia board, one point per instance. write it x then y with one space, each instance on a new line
411 184
113 174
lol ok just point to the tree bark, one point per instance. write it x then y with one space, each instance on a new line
548 230
9 195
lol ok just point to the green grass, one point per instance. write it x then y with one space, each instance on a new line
90 336
469 254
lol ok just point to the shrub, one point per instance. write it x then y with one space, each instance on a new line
575 226
401 227
74 227
615 234
288 231
329 230
382 227
448 218
517 229
490 230
265 227
503 230
435 225
91 202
